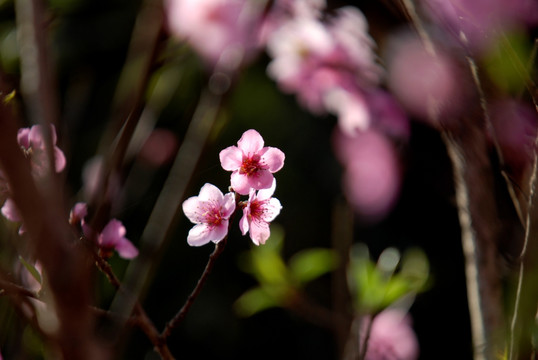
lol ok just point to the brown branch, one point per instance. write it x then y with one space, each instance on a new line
50 240
141 318
176 320
479 231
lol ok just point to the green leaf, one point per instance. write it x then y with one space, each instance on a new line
310 264
394 290
388 261
32 270
265 262
254 301
269 268
415 269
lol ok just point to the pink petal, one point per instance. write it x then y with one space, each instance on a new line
273 158
218 233
228 205
262 179
231 158
10 211
265 194
251 142
59 159
113 232
198 235
126 249
271 210
191 208
210 192
243 223
201 234
22 137
78 213
259 232
35 137
240 183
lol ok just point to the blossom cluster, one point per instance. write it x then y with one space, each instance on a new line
252 165
33 144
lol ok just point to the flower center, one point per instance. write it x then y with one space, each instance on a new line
250 165
212 215
257 209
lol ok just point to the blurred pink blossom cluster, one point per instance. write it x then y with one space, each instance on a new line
329 64
223 32
428 83
391 337
34 146
252 165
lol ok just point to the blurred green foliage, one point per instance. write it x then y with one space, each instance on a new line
377 286
278 281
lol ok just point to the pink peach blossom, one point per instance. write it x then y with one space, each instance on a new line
391 337
251 163
259 211
210 212
33 144
112 237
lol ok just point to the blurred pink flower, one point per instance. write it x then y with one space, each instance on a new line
328 65
427 85
371 172
112 237
476 23
33 144
159 148
391 337
10 211
388 116
298 49
351 109
260 210
210 211
222 32
251 163
78 213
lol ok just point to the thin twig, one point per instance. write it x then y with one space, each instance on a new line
367 333
176 320
142 319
